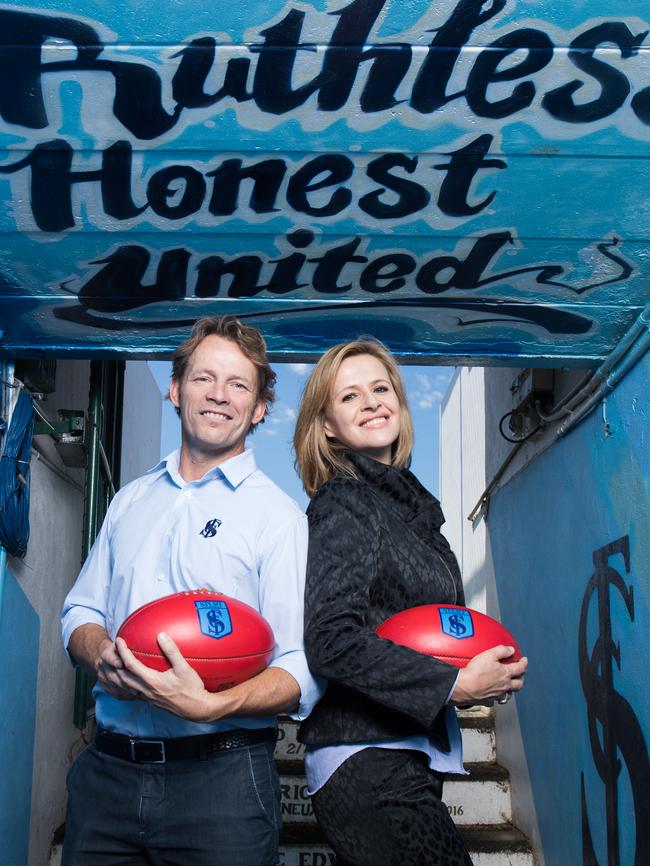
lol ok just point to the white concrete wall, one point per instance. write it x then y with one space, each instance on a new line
45 574
142 420
451 488
462 478
471 451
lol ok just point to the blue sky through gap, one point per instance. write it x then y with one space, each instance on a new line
426 387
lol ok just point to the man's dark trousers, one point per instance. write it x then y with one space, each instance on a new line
220 810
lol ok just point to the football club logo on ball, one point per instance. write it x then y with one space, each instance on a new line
456 623
214 618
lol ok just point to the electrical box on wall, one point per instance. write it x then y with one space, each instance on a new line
69 434
532 394
532 386
71 443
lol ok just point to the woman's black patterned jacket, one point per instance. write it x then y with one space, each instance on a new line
374 549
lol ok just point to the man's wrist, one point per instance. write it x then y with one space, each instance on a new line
103 644
461 693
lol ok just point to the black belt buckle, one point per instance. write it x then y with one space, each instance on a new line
147 751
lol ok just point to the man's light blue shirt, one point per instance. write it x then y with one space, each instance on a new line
159 537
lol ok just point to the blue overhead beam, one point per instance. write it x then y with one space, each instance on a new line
465 180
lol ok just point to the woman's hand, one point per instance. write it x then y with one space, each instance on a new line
489 677
179 690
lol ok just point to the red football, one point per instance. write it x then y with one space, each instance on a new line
449 632
224 640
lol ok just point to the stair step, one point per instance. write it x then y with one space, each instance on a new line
320 855
478 737
495 845
479 746
501 841
306 855
476 715
479 740
481 798
287 747
502 846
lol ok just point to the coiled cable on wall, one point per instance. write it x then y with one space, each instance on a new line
14 478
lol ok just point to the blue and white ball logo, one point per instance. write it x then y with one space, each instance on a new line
456 623
214 618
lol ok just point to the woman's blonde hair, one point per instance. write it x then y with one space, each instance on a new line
319 458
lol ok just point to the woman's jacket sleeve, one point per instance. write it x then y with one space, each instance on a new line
342 565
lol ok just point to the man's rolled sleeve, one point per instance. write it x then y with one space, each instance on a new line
86 602
311 688
282 588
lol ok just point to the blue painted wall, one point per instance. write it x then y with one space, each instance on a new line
465 179
19 642
585 707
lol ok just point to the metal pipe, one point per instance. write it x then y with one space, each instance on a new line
90 513
482 504
642 346
107 469
560 410
628 351
568 405
43 458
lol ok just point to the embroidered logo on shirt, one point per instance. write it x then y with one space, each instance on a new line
456 623
210 528
214 618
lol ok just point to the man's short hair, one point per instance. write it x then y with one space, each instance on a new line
249 340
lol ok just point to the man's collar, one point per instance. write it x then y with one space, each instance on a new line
238 468
163 463
235 470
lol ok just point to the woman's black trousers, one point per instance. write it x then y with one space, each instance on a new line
382 807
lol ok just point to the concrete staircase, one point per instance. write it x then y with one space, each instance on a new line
479 803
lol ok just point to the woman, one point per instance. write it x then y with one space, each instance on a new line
385 731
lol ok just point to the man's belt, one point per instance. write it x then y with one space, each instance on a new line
143 750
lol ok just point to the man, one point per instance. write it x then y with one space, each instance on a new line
178 776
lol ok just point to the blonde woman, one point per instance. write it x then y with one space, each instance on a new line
385 733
